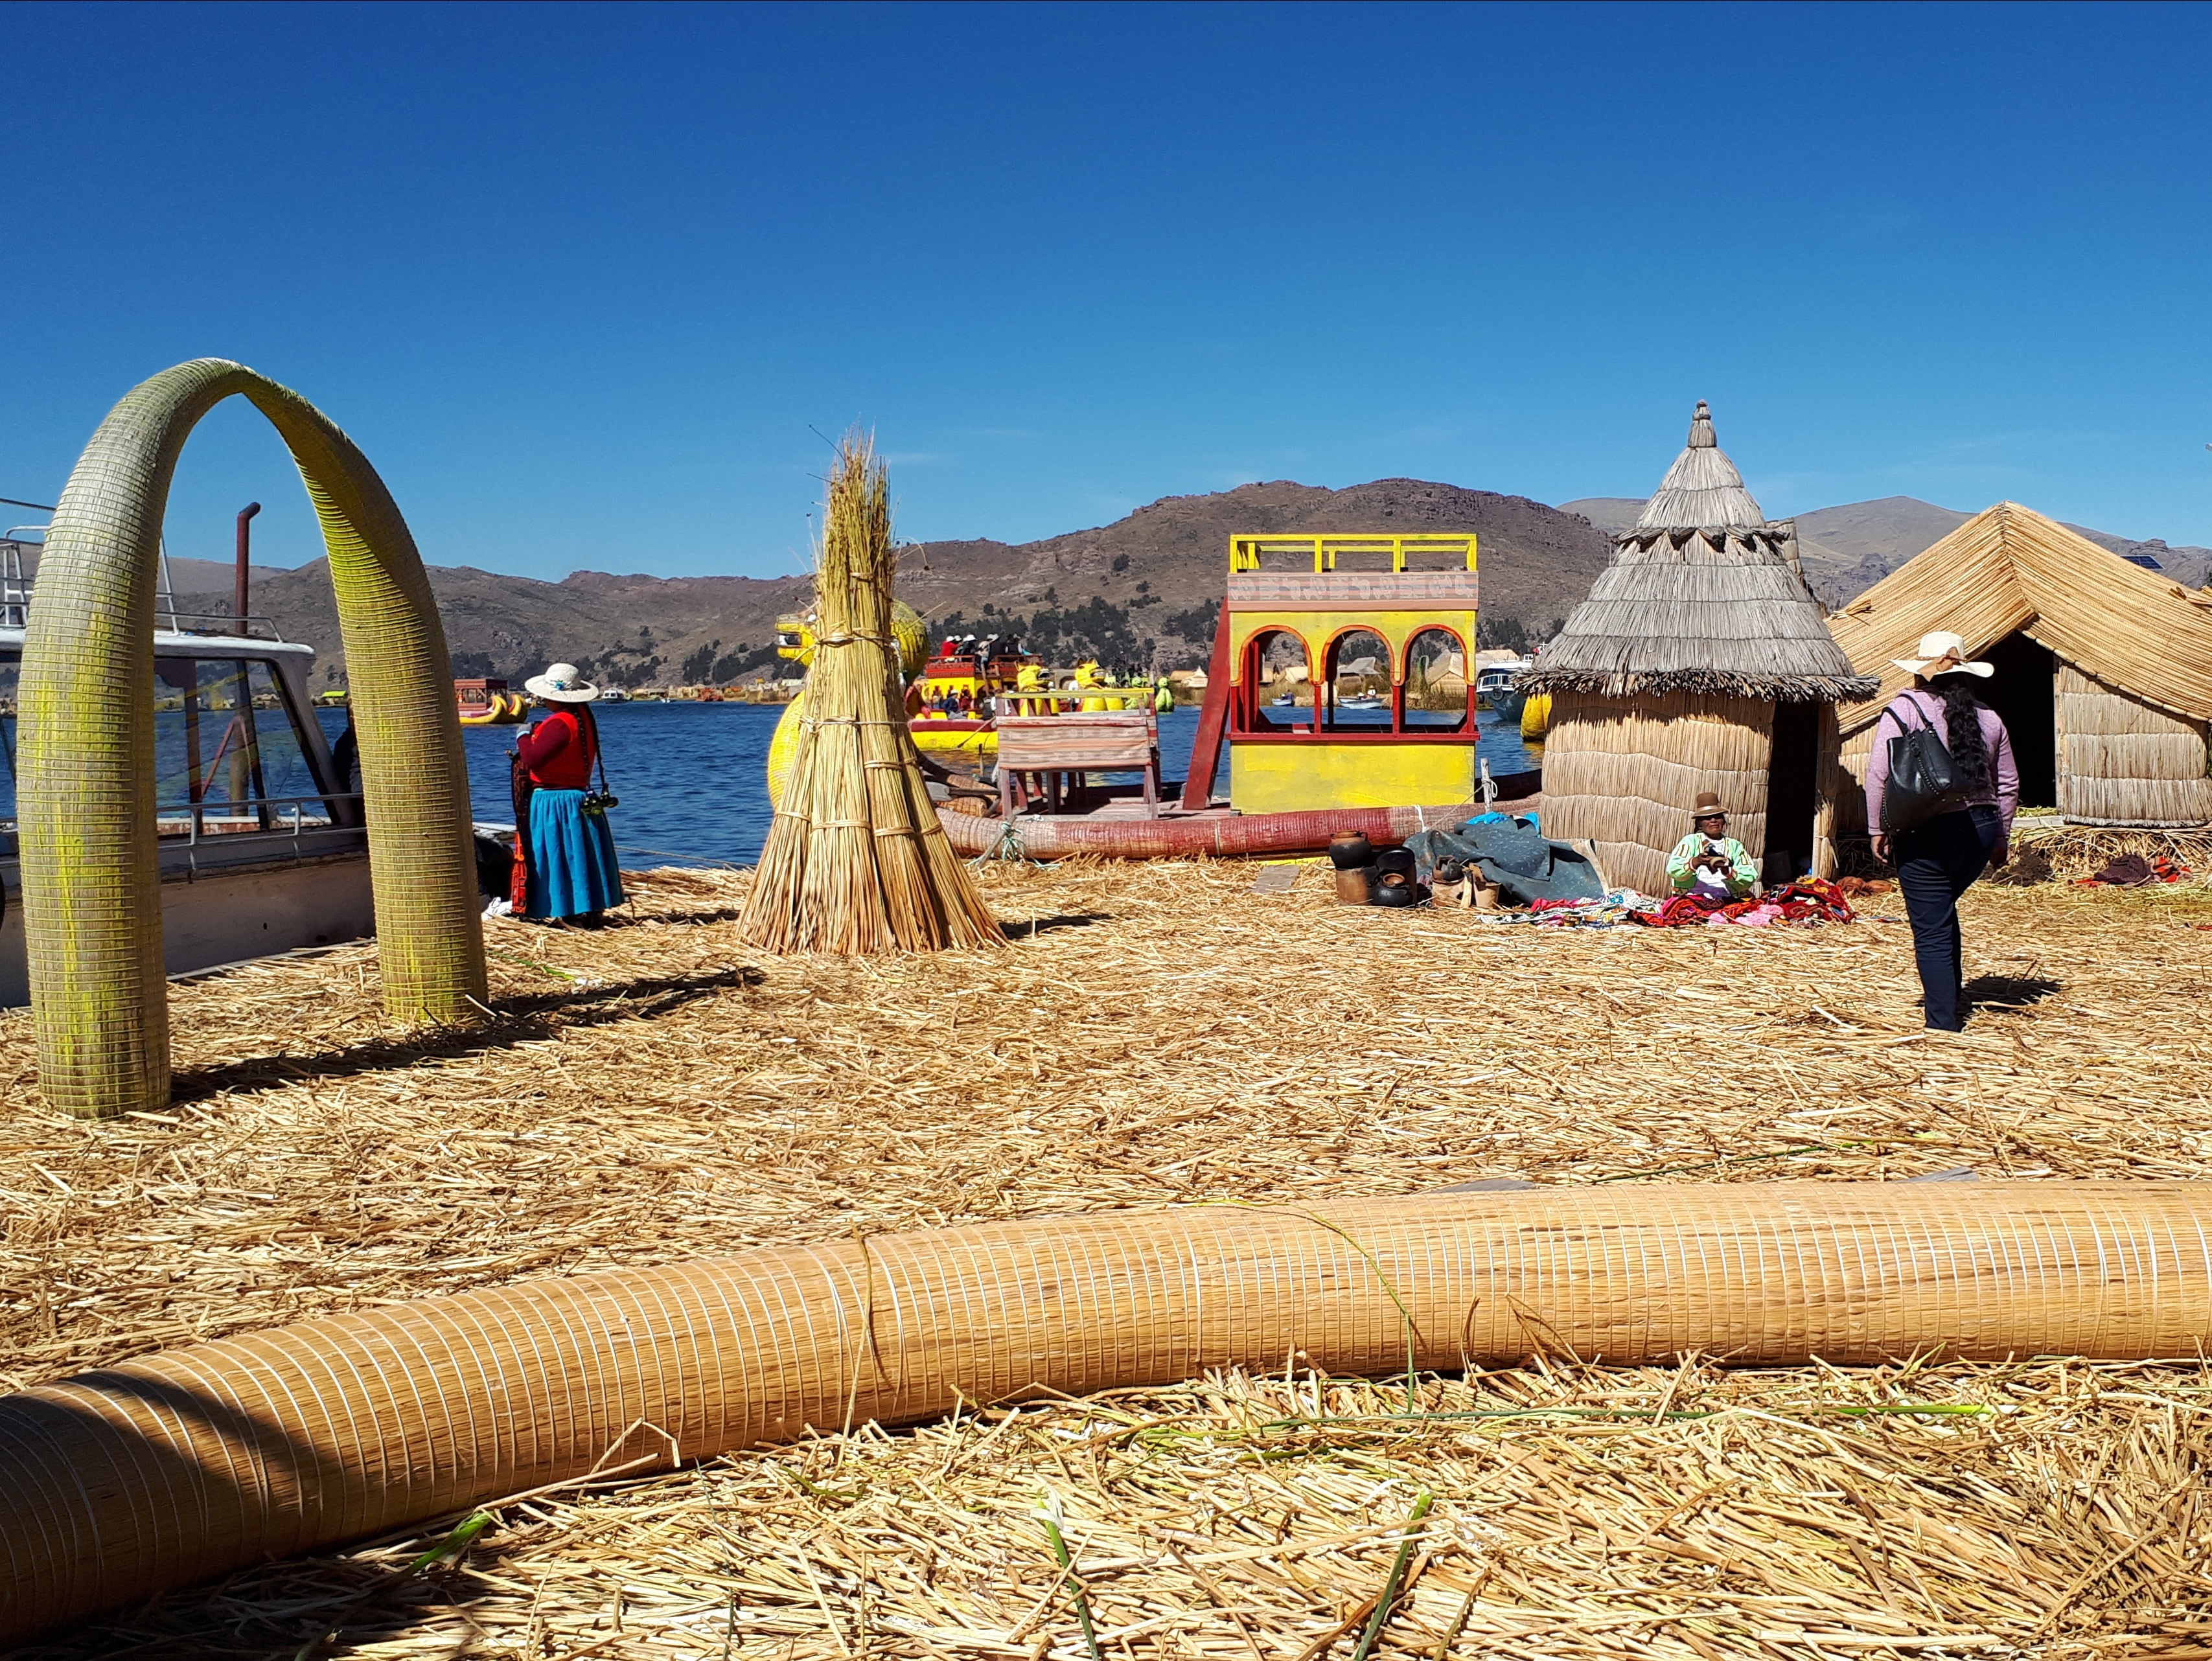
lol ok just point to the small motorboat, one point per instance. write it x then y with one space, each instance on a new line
1283 702
262 845
1494 688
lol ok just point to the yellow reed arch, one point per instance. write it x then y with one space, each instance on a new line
91 900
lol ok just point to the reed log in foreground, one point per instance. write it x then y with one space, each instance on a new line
855 861
147 1476
92 896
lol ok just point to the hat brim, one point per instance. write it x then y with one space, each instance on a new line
1921 665
538 687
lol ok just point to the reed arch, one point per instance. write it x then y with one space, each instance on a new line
91 900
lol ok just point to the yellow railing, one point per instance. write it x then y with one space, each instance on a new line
1250 553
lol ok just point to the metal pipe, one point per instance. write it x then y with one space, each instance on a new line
245 556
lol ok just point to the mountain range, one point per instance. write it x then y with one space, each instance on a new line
1847 550
1142 592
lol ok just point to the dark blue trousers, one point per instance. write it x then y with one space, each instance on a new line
1936 863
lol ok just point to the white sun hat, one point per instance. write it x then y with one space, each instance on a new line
564 683
1941 653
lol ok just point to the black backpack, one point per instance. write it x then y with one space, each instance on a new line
1923 782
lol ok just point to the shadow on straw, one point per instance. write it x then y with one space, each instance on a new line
1999 991
1024 931
513 1020
674 920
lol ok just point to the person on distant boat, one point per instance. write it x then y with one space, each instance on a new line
1709 865
1938 859
567 847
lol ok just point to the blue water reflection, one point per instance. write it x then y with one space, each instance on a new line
692 777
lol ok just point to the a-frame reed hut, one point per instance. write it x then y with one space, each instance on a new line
1699 661
2104 669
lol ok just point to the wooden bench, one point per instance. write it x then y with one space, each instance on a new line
1047 755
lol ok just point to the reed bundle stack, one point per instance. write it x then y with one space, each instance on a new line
2104 669
1699 661
856 862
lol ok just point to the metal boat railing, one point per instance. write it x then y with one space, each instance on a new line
19 577
260 817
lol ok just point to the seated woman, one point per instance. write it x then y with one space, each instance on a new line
1709 865
567 845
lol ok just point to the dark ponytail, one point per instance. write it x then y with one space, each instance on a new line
1962 713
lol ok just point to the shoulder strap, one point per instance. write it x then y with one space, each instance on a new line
1912 704
598 751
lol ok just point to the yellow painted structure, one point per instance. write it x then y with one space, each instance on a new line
1269 778
1319 591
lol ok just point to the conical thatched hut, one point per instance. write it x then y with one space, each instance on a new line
1699 661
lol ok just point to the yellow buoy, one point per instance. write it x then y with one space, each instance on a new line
1536 716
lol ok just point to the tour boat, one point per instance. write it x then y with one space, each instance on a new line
262 847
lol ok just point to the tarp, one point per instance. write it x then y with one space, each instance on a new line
1513 854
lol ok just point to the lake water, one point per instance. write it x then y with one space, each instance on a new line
692 778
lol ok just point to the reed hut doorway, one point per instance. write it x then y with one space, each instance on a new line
1793 775
2024 692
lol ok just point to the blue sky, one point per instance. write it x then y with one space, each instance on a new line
581 280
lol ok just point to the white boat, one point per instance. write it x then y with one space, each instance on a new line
262 847
1493 687
1359 703
613 696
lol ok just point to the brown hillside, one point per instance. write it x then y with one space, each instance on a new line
1141 592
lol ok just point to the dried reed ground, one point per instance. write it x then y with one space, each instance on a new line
1161 1034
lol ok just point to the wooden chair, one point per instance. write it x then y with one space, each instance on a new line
1047 755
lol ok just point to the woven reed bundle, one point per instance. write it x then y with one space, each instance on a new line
163 1471
855 861
92 904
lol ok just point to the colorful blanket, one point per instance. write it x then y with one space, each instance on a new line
1808 902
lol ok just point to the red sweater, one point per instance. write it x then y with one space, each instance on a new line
559 752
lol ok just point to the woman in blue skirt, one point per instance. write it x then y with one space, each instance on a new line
567 848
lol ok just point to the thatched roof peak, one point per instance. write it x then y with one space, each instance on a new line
1704 596
1702 489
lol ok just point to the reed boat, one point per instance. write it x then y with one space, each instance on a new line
1303 618
486 703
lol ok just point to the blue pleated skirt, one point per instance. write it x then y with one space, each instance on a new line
571 864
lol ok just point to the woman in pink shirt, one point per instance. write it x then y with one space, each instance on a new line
1938 859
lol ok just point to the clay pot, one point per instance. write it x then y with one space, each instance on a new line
1350 850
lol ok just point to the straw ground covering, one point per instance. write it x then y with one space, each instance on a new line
1161 1034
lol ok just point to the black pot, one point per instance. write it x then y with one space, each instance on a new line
1398 860
1395 888
1450 870
1348 851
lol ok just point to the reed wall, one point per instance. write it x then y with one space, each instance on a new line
2122 761
1848 787
1623 773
